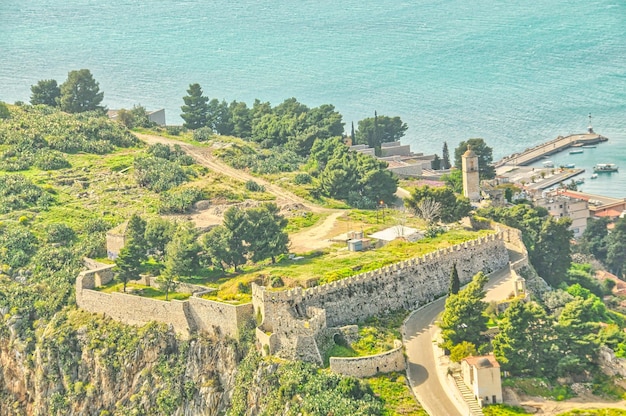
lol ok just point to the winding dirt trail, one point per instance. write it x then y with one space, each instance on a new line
312 238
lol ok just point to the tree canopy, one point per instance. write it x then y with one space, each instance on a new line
484 153
45 92
80 93
195 110
452 207
463 318
377 130
359 179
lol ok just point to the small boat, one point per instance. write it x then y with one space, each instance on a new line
570 166
594 176
589 146
576 152
580 181
605 167
548 164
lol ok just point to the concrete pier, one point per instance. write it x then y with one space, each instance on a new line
554 146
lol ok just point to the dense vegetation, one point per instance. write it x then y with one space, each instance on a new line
559 332
295 133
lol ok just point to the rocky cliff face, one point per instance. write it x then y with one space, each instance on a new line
81 364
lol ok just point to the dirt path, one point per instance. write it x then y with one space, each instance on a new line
541 406
312 238
316 237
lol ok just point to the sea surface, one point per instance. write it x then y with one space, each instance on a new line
514 73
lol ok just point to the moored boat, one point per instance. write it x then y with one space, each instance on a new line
594 176
605 167
576 152
548 164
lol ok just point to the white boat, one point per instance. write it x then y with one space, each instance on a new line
548 164
570 166
576 152
605 167
594 176
580 181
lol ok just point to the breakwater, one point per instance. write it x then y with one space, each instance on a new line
553 146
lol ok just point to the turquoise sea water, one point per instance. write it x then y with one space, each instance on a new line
514 73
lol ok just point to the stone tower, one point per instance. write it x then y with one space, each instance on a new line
471 180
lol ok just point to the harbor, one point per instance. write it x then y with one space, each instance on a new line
528 156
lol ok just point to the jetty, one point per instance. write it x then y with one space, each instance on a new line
553 146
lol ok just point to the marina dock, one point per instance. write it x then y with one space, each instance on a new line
554 146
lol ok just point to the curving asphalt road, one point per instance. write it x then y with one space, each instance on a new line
425 371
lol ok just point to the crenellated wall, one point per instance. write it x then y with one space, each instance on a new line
404 285
295 323
370 365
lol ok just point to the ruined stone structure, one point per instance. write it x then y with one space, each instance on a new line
471 178
296 322
186 316
302 323
371 365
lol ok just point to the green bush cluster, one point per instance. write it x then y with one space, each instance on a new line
301 388
19 193
179 201
38 135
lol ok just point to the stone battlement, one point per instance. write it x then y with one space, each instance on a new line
294 323
402 285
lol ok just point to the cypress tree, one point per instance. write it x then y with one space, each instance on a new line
445 161
353 136
455 283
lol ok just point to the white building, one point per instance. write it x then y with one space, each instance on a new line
482 375
559 206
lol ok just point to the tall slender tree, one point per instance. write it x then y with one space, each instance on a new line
196 108
445 159
352 134
455 283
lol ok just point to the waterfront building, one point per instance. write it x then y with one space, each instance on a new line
561 205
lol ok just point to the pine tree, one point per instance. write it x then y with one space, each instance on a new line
196 108
463 318
127 265
455 283
80 92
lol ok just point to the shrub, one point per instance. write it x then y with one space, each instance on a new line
179 201
302 179
174 130
50 160
17 192
252 186
202 134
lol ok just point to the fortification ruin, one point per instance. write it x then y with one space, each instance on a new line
301 323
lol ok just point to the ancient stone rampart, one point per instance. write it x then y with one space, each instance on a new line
186 316
370 365
404 285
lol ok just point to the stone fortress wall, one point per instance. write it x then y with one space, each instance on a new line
299 323
285 316
186 316
371 365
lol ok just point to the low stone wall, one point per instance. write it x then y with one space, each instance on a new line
371 365
186 317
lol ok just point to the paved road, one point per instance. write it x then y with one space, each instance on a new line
424 369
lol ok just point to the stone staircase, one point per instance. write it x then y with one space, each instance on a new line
468 396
